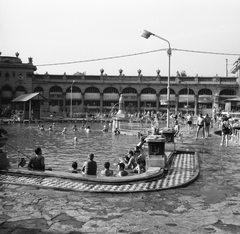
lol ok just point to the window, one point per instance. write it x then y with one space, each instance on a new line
228 92
129 90
92 90
110 90
205 92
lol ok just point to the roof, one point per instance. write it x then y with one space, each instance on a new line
26 97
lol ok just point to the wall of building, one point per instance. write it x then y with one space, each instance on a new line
100 93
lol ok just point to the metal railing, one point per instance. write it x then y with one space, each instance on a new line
135 127
18 153
235 137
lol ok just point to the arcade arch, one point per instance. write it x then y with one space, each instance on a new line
92 99
130 97
205 101
110 98
148 99
19 91
56 98
7 95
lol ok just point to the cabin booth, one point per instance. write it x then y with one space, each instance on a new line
28 106
156 151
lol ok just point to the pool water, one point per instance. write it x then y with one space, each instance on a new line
61 149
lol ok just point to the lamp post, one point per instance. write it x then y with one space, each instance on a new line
71 114
146 34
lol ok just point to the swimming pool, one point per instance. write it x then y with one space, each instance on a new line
60 150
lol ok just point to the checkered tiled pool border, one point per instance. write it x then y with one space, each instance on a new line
184 169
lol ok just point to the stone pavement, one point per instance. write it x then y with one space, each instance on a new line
209 205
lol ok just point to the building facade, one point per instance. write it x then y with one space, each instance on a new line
100 93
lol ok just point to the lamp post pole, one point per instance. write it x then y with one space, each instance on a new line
71 112
146 34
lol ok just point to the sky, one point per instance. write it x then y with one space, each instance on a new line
88 35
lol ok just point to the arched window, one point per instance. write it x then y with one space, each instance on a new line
38 90
205 92
55 89
148 91
110 90
20 89
164 91
7 88
129 90
186 92
228 92
74 90
92 90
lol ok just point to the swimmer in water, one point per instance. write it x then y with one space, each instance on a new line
74 127
64 130
116 131
50 128
105 128
41 128
88 129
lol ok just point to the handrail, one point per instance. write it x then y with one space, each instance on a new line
18 151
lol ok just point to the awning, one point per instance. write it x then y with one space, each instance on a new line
27 97
237 99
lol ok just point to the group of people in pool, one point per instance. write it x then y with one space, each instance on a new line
87 128
135 164
134 161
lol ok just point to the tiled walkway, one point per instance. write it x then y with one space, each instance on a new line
184 169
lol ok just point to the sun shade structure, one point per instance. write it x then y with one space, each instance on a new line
27 98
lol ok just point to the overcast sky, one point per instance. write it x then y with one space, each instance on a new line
61 31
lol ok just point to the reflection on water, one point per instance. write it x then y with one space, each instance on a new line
60 150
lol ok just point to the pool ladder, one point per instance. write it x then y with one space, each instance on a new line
19 159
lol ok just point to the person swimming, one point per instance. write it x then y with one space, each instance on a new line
88 129
105 129
50 128
116 131
41 128
64 130
74 127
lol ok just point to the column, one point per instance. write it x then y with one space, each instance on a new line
196 105
64 101
138 102
101 102
46 104
216 101
157 104
176 103
83 104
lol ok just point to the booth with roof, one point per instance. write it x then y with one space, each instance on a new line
28 106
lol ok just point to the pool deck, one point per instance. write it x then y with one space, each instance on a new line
184 169
209 205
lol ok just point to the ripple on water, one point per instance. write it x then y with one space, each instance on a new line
60 150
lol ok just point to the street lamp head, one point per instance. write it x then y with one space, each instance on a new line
146 34
73 81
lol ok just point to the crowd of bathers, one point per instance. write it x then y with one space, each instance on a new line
132 162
